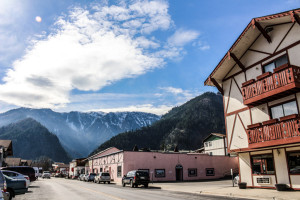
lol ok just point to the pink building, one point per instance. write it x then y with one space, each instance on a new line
162 166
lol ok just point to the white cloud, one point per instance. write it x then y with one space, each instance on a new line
181 37
90 49
149 108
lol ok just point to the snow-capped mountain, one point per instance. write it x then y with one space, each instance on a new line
80 132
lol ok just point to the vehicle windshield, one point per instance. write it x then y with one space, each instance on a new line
46 172
105 174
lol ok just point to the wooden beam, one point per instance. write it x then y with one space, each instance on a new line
237 61
217 85
295 17
261 29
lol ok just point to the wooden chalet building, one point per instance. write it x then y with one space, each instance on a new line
259 78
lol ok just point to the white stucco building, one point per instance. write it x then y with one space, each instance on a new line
215 144
259 78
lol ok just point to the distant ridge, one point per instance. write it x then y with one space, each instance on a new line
185 126
31 140
79 132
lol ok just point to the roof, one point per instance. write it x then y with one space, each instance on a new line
7 144
13 161
214 134
246 39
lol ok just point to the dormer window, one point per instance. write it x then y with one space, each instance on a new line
275 63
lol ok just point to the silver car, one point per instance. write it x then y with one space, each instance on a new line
102 177
46 174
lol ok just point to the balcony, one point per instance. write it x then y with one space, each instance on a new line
283 81
274 132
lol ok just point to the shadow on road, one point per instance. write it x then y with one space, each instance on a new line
34 186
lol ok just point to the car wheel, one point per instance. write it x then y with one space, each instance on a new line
123 184
146 185
131 184
104 182
108 182
11 193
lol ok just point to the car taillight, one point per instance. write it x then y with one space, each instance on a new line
27 177
4 187
134 177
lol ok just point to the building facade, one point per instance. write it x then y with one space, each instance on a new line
259 78
162 166
215 145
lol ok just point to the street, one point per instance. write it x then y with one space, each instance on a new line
64 189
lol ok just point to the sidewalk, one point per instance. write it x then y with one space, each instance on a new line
224 188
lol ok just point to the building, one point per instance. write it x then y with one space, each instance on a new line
259 78
76 167
10 162
5 150
60 168
215 144
162 166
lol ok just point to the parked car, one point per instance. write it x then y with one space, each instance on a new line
81 177
90 177
15 186
17 175
102 177
3 187
25 170
46 174
135 178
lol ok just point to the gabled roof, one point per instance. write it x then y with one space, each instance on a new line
246 39
7 144
214 134
13 161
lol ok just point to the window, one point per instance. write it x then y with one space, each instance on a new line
294 162
119 171
210 171
192 172
206 144
101 169
276 63
210 144
262 164
159 173
284 109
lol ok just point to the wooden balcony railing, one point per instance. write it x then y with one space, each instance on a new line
274 132
284 80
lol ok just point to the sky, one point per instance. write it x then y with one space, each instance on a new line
117 55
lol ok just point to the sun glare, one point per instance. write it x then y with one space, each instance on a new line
38 19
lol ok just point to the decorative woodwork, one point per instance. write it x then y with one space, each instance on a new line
262 30
283 81
237 61
217 85
275 132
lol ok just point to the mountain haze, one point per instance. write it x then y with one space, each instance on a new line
185 126
31 140
80 132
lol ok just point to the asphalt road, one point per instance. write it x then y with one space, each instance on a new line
64 189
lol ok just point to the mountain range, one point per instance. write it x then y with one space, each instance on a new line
31 140
79 132
183 127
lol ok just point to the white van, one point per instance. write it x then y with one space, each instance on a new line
36 171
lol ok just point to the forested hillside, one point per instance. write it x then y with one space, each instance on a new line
184 126
31 140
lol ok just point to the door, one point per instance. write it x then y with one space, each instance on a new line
179 172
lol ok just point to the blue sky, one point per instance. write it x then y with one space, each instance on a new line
137 55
